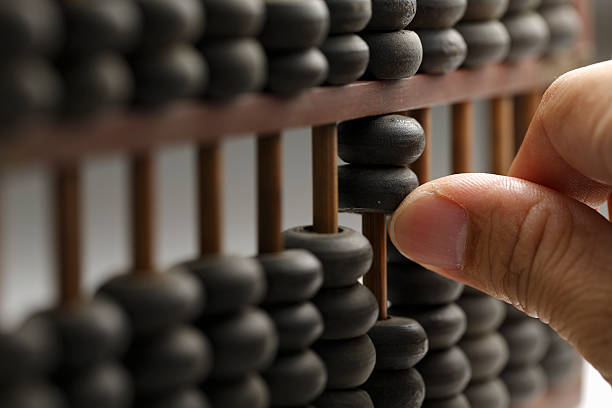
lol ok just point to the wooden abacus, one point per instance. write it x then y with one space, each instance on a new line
198 338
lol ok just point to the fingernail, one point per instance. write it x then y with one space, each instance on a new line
431 229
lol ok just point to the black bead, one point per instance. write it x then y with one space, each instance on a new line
180 357
294 275
234 18
529 35
394 55
446 373
242 342
400 343
169 21
185 398
298 325
480 10
107 385
518 6
561 362
249 391
295 379
488 394
458 401
564 24
348 56
369 189
231 282
346 256
438 13
347 312
294 24
411 284
354 398
381 140
396 389
296 70
156 303
349 362
32 395
513 314
348 16
488 42
527 341
524 384
444 50
391 15
488 355
484 313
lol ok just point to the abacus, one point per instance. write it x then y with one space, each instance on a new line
293 325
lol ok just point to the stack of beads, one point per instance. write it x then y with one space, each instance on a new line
528 31
563 23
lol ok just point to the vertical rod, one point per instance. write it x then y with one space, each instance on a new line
525 108
422 167
502 118
209 197
462 137
269 200
374 227
143 213
325 178
68 230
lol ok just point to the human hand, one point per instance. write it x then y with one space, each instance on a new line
533 239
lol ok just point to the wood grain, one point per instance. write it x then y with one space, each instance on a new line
210 212
525 106
422 167
269 187
502 123
374 228
462 138
142 213
325 178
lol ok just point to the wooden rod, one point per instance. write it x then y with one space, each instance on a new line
325 178
525 108
209 196
422 167
462 137
269 200
143 213
502 118
374 227
68 231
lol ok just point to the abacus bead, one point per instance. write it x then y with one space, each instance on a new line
443 50
249 391
293 275
438 13
242 343
458 401
30 26
354 398
368 189
396 389
394 55
480 10
234 18
545 3
156 303
347 56
391 15
484 313
564 25
349 362
94 25
103 386
561 361
168 73
32 395
235 66
524 383
169 361
411 284
400 343
348 16
529 35
517 6
347 312
513 314
298 325
444 325
169 21
446 372
386 140
295 379
185 398
296 70
294 24
90 332
488 355
488 394
346 256
527 341
488 42
231 282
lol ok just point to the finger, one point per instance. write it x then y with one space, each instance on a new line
568 146
545 253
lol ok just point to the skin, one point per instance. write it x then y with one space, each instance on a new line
533 239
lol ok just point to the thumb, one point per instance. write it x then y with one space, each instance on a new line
544 252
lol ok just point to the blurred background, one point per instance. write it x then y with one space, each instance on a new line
27 260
